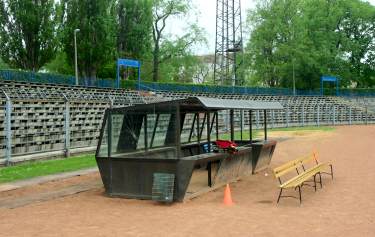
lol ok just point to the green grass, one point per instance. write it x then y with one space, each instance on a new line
292 129
42 168
259 133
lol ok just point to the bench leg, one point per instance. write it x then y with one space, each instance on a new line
331 170
278 199
315 182
300 195
320 180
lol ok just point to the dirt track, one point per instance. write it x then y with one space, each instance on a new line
344 207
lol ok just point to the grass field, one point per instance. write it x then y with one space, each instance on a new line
42 168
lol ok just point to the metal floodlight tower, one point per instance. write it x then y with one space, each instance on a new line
229 43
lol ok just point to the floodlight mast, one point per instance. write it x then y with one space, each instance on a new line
76 55
229 43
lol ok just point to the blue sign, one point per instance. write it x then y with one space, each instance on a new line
128 63
329 79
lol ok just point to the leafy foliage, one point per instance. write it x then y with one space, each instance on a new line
178 50
27 33
310 38
96 39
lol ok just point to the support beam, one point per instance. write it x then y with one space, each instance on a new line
209 149
242 118
192 127
232 125
199 139
208 131
217 125
178 131
145 132
265 125
154 131
251 126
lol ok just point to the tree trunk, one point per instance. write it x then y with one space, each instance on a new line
155 76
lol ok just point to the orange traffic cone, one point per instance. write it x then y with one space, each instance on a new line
228 196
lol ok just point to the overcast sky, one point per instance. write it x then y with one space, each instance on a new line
207 20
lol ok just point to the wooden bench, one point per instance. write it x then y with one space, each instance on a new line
303 170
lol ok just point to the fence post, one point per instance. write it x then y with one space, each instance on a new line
242 122
257 119
67 126
366 116
318 116
334 115
8 129
273 118
350 115
303 116
287 116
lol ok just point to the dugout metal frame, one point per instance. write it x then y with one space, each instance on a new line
127 170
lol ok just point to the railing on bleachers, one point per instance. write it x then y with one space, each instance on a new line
47 78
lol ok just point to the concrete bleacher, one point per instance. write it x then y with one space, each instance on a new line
38 113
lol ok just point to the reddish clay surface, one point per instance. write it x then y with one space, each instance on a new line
344 207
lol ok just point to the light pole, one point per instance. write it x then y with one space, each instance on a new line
294 79
75 54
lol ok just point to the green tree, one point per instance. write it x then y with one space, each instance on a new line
134 28
3 65
27 32
96 39
169 48
134 33
177 60
162 11
60 65
306 39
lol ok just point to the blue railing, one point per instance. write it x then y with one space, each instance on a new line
47 78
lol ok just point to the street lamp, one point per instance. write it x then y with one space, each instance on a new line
75 54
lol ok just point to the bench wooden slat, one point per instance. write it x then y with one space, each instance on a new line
298 180
303 173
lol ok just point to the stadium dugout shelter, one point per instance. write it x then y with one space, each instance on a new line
175 150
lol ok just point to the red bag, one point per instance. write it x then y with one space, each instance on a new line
226 145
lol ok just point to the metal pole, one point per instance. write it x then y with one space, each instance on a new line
294 80
232 125
287 116
242 117
199 139
67 127
303 116
318 116
75 55
178 131
217 125
251 125
145 132
8 129
265 125
334 115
